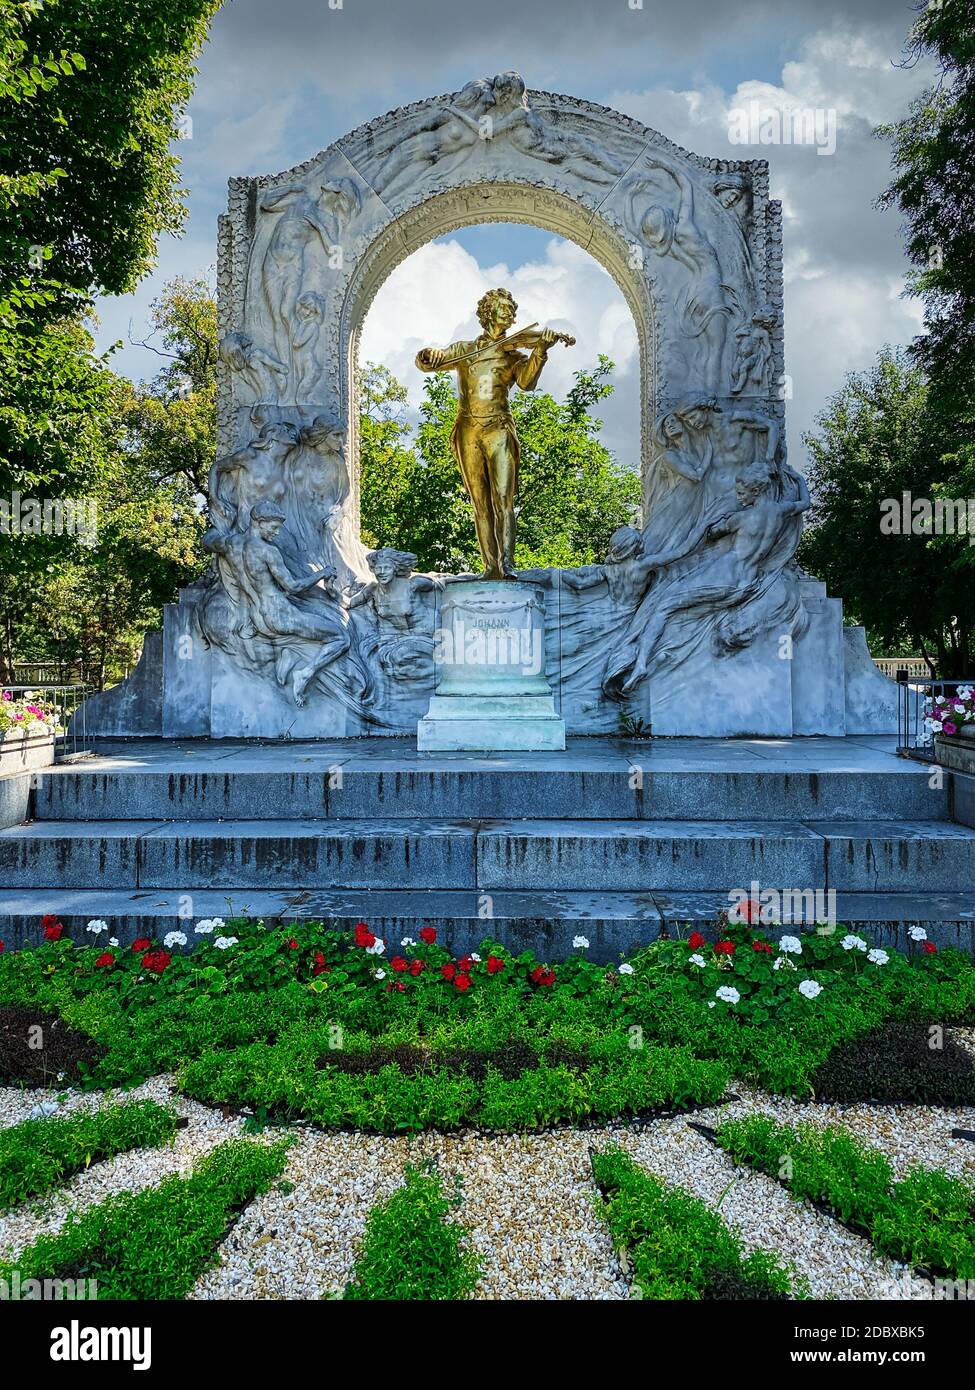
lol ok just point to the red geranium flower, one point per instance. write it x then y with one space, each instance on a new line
428 934
48 920
53 931
156 961
448 970
464 965
292 944
319 967
542 976
695 941
2 948
494 964
930 947
761 946
142 944
395 984
725 948
106 958
417 966
750 911
463 981
399 964
364 937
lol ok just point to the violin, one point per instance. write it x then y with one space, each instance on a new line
528 337
532 335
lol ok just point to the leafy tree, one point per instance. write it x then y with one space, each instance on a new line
172 420
873 442
573 493
934 155
106 122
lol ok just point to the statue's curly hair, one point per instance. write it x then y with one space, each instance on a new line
486 304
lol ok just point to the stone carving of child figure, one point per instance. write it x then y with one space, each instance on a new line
403 643
305 339
393 593
625 570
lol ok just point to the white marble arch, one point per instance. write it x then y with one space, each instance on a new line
560 163
701 624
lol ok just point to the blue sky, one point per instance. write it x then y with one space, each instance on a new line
279 81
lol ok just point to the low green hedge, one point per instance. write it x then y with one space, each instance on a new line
155 1244
927 1219
39 1155
677 1246
410 1249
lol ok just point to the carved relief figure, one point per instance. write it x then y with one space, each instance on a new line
433 138
271 591
753 360
260 372
734 192
531 135
302 222
731 563
706 303
252 474
402 642
305 343
484 441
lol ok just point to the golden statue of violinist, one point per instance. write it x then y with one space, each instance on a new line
484 441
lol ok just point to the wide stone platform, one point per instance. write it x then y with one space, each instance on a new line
616 839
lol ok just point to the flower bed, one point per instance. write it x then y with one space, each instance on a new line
28 727
350 1031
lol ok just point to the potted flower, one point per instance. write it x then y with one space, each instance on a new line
951 719
28 727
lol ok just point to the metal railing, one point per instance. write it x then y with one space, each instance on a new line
913 735
70 738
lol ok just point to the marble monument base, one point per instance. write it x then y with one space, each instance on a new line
492 693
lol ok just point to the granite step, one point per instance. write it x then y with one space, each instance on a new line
604 787
545 922
505 855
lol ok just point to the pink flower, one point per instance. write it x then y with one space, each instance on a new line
950 728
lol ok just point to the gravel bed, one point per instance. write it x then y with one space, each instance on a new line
835 1261
907 1134
130 1171
529 1204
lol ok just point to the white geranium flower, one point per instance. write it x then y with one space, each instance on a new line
224 943
377 948
728 993
580 943
475 957
810 989
877 956
710 1003
853 943
207 925
697 960
379 974
97 926
935 725
917 933
407 941
626 969
174 938
113 941
791 944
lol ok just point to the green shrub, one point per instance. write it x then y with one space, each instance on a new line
39 1155
678 1247
155 1244
410 1250
927 1219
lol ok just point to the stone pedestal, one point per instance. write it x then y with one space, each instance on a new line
492 692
